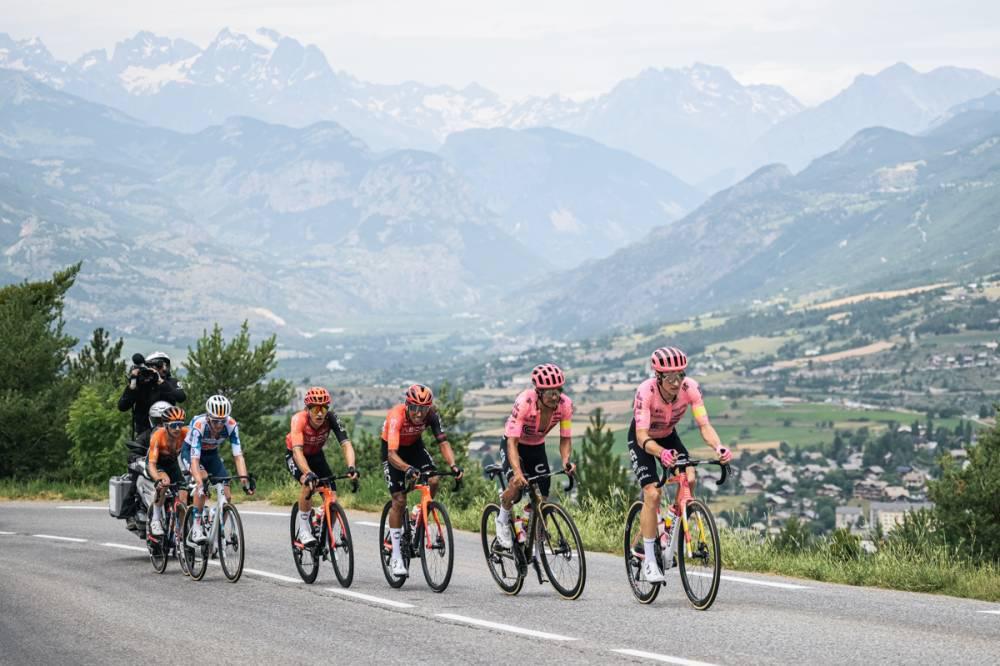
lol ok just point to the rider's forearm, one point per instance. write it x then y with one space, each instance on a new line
300 460
650 446
710 436
565 449
398 462
513 457
447 453
348 450
241 466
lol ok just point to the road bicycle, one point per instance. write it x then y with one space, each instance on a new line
550 537
686 522
427 535
163 546
332 532
225 535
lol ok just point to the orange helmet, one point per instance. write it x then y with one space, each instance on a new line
668 359
317 395
418 394
547 375
173 413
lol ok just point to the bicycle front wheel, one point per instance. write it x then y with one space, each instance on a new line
341 545
231 545
700 559
385 548
305 557
195 554
643 590
178 525
507 569
437 547
158 547
562 551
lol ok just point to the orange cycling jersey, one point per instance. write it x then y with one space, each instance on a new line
398 430
161 442
312 440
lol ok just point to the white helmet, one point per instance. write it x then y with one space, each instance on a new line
218 407
156 412
158 356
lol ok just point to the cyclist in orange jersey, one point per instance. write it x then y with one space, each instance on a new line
404 457
164 446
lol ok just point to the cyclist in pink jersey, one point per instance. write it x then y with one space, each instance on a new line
660 404
536 412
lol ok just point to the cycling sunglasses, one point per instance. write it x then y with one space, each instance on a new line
173 426
318 410
419 409
671 377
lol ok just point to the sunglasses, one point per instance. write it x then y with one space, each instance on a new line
420 409
318 410
671 377
552 391
174 426
216 420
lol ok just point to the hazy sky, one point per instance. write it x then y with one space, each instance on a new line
573 47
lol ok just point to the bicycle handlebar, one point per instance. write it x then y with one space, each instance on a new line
427 475
355 483
682 463
569 485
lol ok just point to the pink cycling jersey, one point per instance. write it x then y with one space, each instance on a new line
523 421
659 417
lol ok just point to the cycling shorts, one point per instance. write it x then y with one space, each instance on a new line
533 462
317 465
644 465
415 454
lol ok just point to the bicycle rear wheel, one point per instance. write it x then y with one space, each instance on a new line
195 554
385 548
178 525
437 547
505 565
702 568
562 551
232 551
341 545
159 545
643 590
305 557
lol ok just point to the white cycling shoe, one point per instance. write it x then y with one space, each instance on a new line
398 568
305 534
156 527
198 533
503 534
652 573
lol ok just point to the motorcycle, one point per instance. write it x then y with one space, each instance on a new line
132 494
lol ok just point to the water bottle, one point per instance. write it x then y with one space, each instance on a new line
519 529
211 519
661 529
415 514
316 519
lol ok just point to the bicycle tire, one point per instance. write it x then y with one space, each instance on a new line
158 549
196 555
305 558
643 590
231 542
557 548
708 554
437 528
340 544
179 514
385 548
498 559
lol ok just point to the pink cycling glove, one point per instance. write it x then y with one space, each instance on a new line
725 455
667 457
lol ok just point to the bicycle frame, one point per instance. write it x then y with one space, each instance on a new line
329 499
220 502
682 498
425 498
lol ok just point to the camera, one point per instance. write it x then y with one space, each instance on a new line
147 375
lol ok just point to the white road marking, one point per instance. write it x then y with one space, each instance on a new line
8 533
124 547
264 513
368 597
84 508
992 612
59 538
366 523
662 657
267 574
751 581
504 627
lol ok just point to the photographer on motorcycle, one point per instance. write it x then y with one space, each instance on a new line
149 381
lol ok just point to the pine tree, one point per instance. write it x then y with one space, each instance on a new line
600 469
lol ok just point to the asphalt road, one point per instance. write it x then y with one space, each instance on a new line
96 599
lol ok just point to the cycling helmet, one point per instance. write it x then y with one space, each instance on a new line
158 356
418 394
173 413
317 395
156 412
547 375
668 359
218 407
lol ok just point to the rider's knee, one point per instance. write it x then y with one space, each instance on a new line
399 501
651 494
